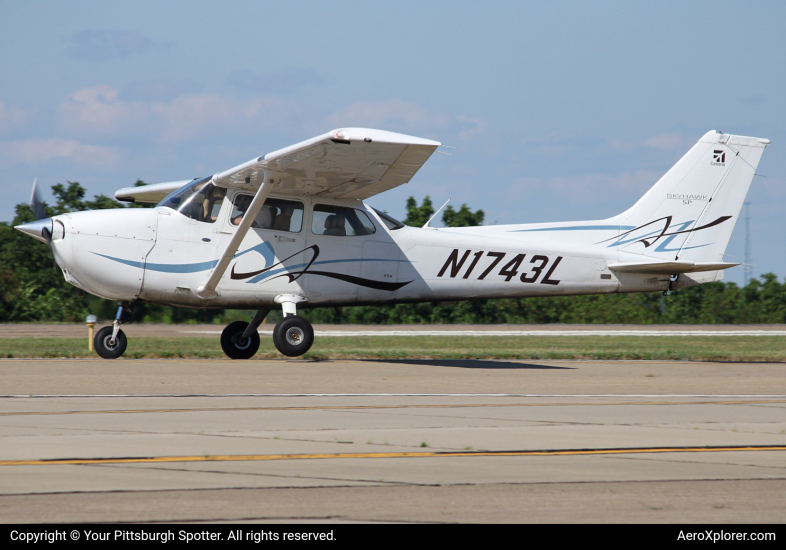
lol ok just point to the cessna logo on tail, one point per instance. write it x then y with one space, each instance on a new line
718 158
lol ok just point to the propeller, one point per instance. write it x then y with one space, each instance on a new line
41 229
35 202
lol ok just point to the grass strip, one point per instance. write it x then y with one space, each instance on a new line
681 348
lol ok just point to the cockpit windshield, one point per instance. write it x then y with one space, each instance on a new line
199 200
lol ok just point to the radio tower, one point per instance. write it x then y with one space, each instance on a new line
748 269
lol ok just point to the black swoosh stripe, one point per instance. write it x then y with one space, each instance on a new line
250 274
369 283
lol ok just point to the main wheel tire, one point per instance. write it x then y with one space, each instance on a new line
233 343
104 345
293 336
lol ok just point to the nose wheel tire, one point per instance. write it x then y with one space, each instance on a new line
233 343
106 347
293 336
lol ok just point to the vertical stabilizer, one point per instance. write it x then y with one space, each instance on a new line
690 213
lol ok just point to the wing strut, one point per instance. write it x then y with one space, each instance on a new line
208 290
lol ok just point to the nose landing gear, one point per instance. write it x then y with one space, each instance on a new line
110 342
107 346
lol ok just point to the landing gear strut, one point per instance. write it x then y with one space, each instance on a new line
110 342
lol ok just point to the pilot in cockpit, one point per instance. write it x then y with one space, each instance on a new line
263 219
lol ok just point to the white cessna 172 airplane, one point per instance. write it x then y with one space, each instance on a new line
289 229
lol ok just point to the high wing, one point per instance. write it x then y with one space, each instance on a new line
154 193
350 163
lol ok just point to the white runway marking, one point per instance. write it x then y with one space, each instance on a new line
533 395
346 333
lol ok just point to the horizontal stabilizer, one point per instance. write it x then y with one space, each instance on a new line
154 193
668 268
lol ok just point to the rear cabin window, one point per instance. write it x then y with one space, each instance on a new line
341 221
275 214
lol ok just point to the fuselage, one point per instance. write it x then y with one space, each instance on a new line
162 255
290 229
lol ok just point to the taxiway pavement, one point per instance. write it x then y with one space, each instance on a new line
392 441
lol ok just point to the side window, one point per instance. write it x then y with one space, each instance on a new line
276 214
340 221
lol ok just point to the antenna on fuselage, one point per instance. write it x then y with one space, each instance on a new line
426 225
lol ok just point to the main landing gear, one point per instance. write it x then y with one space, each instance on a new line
110 342
240 340
292 335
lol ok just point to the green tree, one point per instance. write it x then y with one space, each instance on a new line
417 216
33 287
71 198
463 217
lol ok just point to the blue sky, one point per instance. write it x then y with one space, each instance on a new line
558 111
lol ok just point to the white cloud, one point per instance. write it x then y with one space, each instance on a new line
101 111
36 150
285 81
188 116
10 116
470 127
582 189
386 113
666 141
